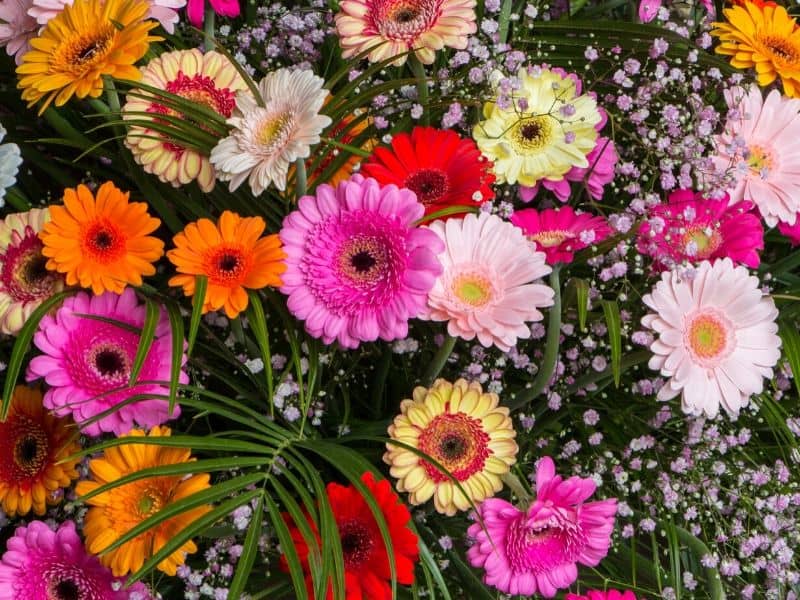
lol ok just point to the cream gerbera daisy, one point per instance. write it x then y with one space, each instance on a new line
267 139
539 131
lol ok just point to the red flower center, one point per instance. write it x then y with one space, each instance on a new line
227 265
103 241
430 185
357 542
24 449
457 442
23 274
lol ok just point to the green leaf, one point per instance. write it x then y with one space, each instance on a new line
790 338
249 551
614 324
582 294
152 314
176 362
429 563
289 551
198 300
258 325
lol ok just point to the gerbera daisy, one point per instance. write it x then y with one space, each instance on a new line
163 11
358 269
538 550
34 451
16 27
487 289
366 563
763 38
561 232
716 337
117 511
101 243
600 595
42 564
266 139
10 160
234 257
195 10
87 356
539 131
76 48
758 149
24 281
208 79
465 431
691 227
441 168
791 232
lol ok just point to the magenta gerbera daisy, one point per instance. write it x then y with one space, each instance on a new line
42 564
357 268
691 227
88 358
487 289
600 595
537 551
561 232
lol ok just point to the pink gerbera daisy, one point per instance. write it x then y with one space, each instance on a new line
42 564
163 11
759 149
538 550
16 27
716 337
598 595
791 232
86 357
561 232
691 227
357 268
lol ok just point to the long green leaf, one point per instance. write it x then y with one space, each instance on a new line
582 298
288 548
249 551
790 338
614 325
152 315
199 298
176 362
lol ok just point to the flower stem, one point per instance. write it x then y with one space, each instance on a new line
418 69
300 179
208 28
111 94
439 360
550 357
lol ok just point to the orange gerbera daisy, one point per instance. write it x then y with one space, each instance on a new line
232 254
89 39
33 447
101 243
117 511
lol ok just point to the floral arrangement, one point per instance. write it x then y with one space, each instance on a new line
379 299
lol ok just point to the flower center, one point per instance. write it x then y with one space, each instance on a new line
227 265
273 132
31 449
544 544
80 52
531 134
103 241
430 185
363 259
404 20
473 289
23 272
357 542
149 503
709 337
760 161
457 442
781 48
701 242
552 238
110 362
64 590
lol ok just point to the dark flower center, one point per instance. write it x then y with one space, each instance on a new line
458 443
103 240
30 448
430 185
406 15
110 362
356 543
228 263
531 131
453 447
67 590
362 261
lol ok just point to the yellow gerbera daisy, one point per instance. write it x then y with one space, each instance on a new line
114 513
465 431
33 447
765 38
89 39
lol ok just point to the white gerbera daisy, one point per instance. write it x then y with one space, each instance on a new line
716 337
10 160
267 139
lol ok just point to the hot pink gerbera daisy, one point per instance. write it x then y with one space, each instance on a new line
42 564
16 27
561 232
486 290
691 227
357 268
598 595
716 337
791 232
538 550
163 11
85 358
759 149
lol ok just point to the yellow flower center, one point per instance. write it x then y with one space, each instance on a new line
550 239
273 131
531 134
704 241
150 503
783 51
760 161
709 337
81 52
472 289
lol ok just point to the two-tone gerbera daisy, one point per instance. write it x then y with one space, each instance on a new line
42 564
234 257
717 337
443 169
34 451
691 227
561 232
537 551
88 40
487 289
89 348
115 512
462 428
208 79
357 267
266 139
24 281
367 574
765 39
393 28
540 130
101 243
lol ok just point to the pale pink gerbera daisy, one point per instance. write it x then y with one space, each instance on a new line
16 27
42 564
267 139
163 11
759 149
86 358
390 28
537 551
690 227
357 268
487 289
716 337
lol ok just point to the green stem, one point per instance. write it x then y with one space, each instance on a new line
439 360
208 28
112 95
15 198
300 178
418 69
550 357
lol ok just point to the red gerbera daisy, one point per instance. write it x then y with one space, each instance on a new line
366 562
443 169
